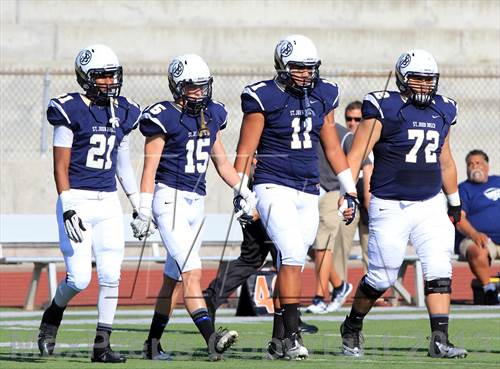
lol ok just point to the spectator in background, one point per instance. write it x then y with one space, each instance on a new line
478 236
346 234
330 232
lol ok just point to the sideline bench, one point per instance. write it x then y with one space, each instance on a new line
218 230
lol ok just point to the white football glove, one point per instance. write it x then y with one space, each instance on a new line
143 225
73 225
244 203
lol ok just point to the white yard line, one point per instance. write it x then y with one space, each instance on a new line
248 320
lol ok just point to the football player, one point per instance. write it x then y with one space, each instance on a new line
409 133
91 138
181 136
284 120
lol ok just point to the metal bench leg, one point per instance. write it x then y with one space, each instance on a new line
29 303
419 284
52 278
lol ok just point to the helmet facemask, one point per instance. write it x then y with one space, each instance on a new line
296 80
420 88
193 105
101 91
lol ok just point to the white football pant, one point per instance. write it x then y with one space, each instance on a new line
102 218
179 216
393 223
290 218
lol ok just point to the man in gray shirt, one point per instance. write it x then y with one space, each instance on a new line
328 229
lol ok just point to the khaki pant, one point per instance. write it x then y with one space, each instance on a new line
343 245
493 249
329 221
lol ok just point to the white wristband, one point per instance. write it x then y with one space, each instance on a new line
454 199
66 201
135 200
146 203
347 184
239 188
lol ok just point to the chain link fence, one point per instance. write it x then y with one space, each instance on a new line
26 137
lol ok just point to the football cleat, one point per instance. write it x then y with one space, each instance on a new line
317 307
339 299
47 339
446 350
293 349
220 342
107 355
307 328
275 349
152 351
352 340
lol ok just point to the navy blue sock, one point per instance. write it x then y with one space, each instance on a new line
203 323
158 324
278 326
53 314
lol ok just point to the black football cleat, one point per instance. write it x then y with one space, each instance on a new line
441 348
275 349
307 328
47 339
220 342
107 355
154 352
352 340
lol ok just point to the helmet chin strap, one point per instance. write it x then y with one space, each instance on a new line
114 121
203 131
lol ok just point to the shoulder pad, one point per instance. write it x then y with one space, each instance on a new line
220 113
448 107
329 92
154 118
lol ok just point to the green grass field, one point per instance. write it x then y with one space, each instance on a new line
394 339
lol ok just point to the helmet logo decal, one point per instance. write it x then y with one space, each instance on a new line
404 61
85 57
177 68
286 48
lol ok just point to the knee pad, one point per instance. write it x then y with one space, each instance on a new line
440 285
110 278
78 283
369 291
381 278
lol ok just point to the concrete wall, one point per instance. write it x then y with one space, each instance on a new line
234 35
241 33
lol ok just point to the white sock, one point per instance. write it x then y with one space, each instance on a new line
106 304
64 294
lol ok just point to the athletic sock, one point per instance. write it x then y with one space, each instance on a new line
102 333
53 314
64 294
158 324
278 325
439 327
203 323
106 304
355 319
337 290
291 320
317 299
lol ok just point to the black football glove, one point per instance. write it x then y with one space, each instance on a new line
455 213
73 226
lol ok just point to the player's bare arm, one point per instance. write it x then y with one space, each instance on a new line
331 145
363 144
62 159
152 154
251 130
222 165
448 168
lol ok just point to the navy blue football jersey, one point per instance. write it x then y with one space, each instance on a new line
185 156
287 151
95 141
407 154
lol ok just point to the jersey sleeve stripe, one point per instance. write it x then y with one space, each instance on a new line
336 100
61 110
154 120
249 91
375 103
